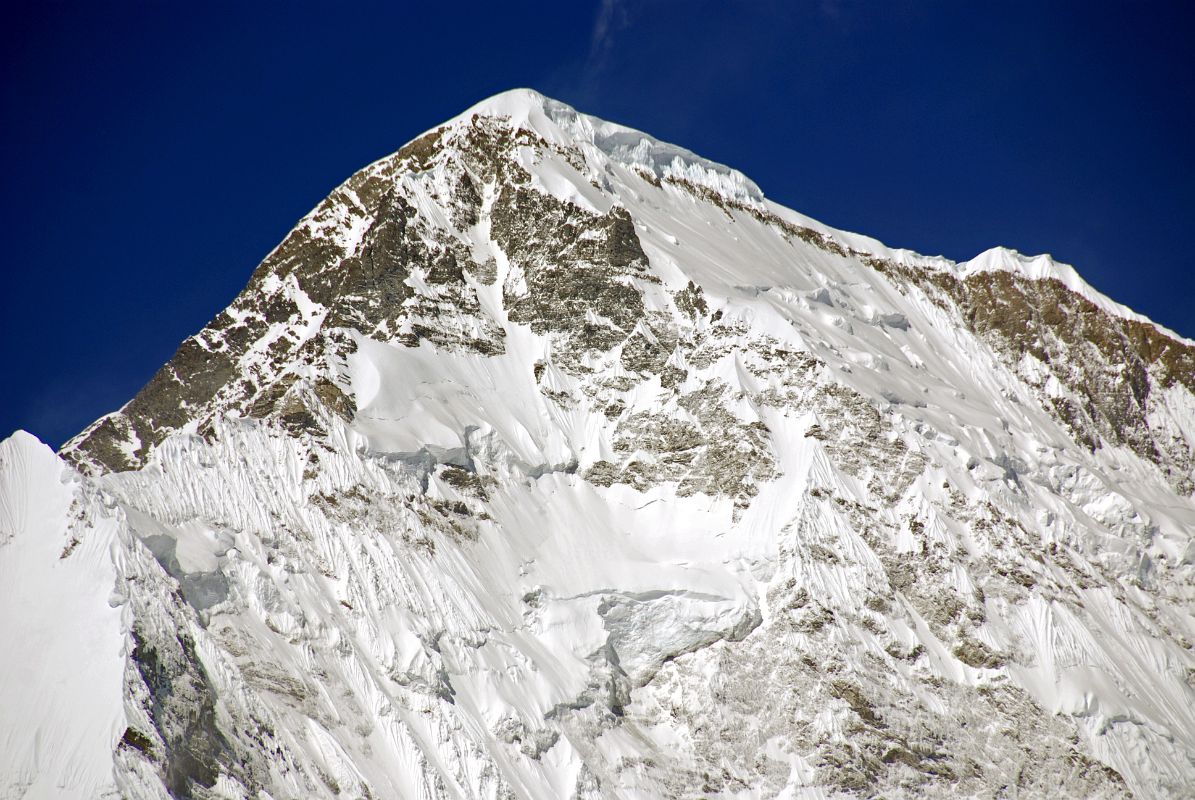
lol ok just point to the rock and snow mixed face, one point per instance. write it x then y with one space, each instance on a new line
545 459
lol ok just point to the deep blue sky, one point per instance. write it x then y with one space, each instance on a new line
152 154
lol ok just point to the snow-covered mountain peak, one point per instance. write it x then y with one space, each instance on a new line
544 459
561 124
1043 267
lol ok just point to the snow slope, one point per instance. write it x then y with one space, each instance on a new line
545 459
64 658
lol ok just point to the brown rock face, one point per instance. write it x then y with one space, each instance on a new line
579 270
1113 369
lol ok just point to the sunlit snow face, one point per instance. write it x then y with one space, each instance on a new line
547 458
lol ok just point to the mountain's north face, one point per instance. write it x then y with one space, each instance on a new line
544 459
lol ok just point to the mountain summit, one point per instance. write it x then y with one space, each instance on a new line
546 459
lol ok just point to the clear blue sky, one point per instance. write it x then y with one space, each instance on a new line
152 154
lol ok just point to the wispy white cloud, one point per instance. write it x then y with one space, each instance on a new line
612 17
832 9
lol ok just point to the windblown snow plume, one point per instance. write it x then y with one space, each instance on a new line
544 459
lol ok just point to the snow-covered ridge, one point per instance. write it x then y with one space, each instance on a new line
561 124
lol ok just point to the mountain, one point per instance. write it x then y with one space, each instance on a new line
545 459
